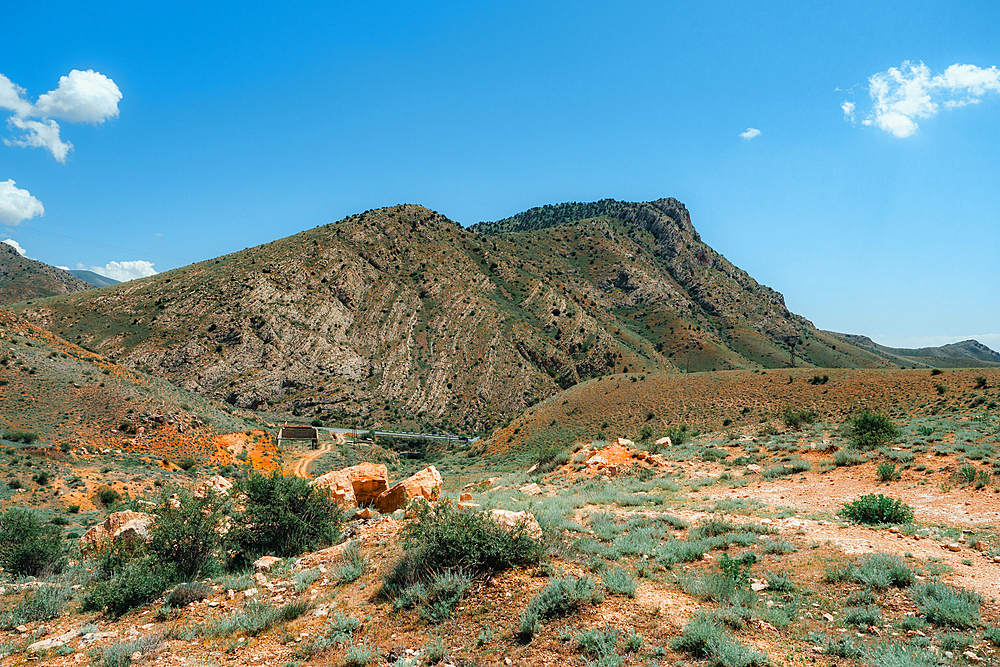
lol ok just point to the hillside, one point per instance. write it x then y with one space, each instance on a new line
95 279
22 278
966 354
66 395
740 401
401 316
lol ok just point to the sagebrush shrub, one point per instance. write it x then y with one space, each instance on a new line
559 598
876 509
185 594
946 605
187 532
868 430
29 547
618 581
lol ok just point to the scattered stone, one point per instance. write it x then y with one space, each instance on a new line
125 527
531 489
355 486
753 467
260 578
511 520
758 584
469 506
218 485
250 593
465 497
664 441
981 546
624 442
954 546
265 563
425 484
366 513
829 617
972 657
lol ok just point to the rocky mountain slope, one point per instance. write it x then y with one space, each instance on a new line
966 354
63 394
95 279
22 278
401 316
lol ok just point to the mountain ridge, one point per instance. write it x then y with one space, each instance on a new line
401 316
22 278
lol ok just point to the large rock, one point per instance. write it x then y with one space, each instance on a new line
357 486
425 484
125 527
218 485
511 520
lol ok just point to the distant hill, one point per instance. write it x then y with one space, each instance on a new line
64 393
95 279
400 316
22 278
966 354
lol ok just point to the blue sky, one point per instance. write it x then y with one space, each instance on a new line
198 129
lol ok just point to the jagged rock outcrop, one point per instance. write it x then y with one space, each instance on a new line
124 527
425 485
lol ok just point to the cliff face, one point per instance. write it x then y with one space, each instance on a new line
22 278
400 315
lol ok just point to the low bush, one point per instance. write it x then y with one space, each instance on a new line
946 605
128 583
559 598
185 594
42 604
597 642
845 458
359 655
887 472
878 571
703 638
21 436
618 581
254 618
187 532
796 418
899 655
876 509
283 516
863 617
868 430
120 654
778 547
351 566
443 593
29 547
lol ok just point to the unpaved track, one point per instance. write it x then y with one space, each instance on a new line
301 467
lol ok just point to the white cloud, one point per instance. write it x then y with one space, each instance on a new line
15 245
902 95
40 134
17 204
750 133
80 97
64 268
123 271
848 108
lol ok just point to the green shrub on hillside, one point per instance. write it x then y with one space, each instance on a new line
283 516
796 418
29 547
186 533
559 598
876 509
868 430
946 605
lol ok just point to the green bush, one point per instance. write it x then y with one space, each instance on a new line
283 516
447 538
618 581
21 436
796 418
596 642
778 547
254 618
703 638
443 593
41 604
187 463
863 617
120 654
186 533
876 509
946 605
559 598
130 581
845 458
359 655
107 496
185 594
352 564
887 472
29 547
868 430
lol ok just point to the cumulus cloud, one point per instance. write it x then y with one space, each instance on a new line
900 96
123 271
80 97
40 134
848 108
17 204
750 133
15 245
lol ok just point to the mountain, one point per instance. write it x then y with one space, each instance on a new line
65 394
94 279
966 354
22 278
399 316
